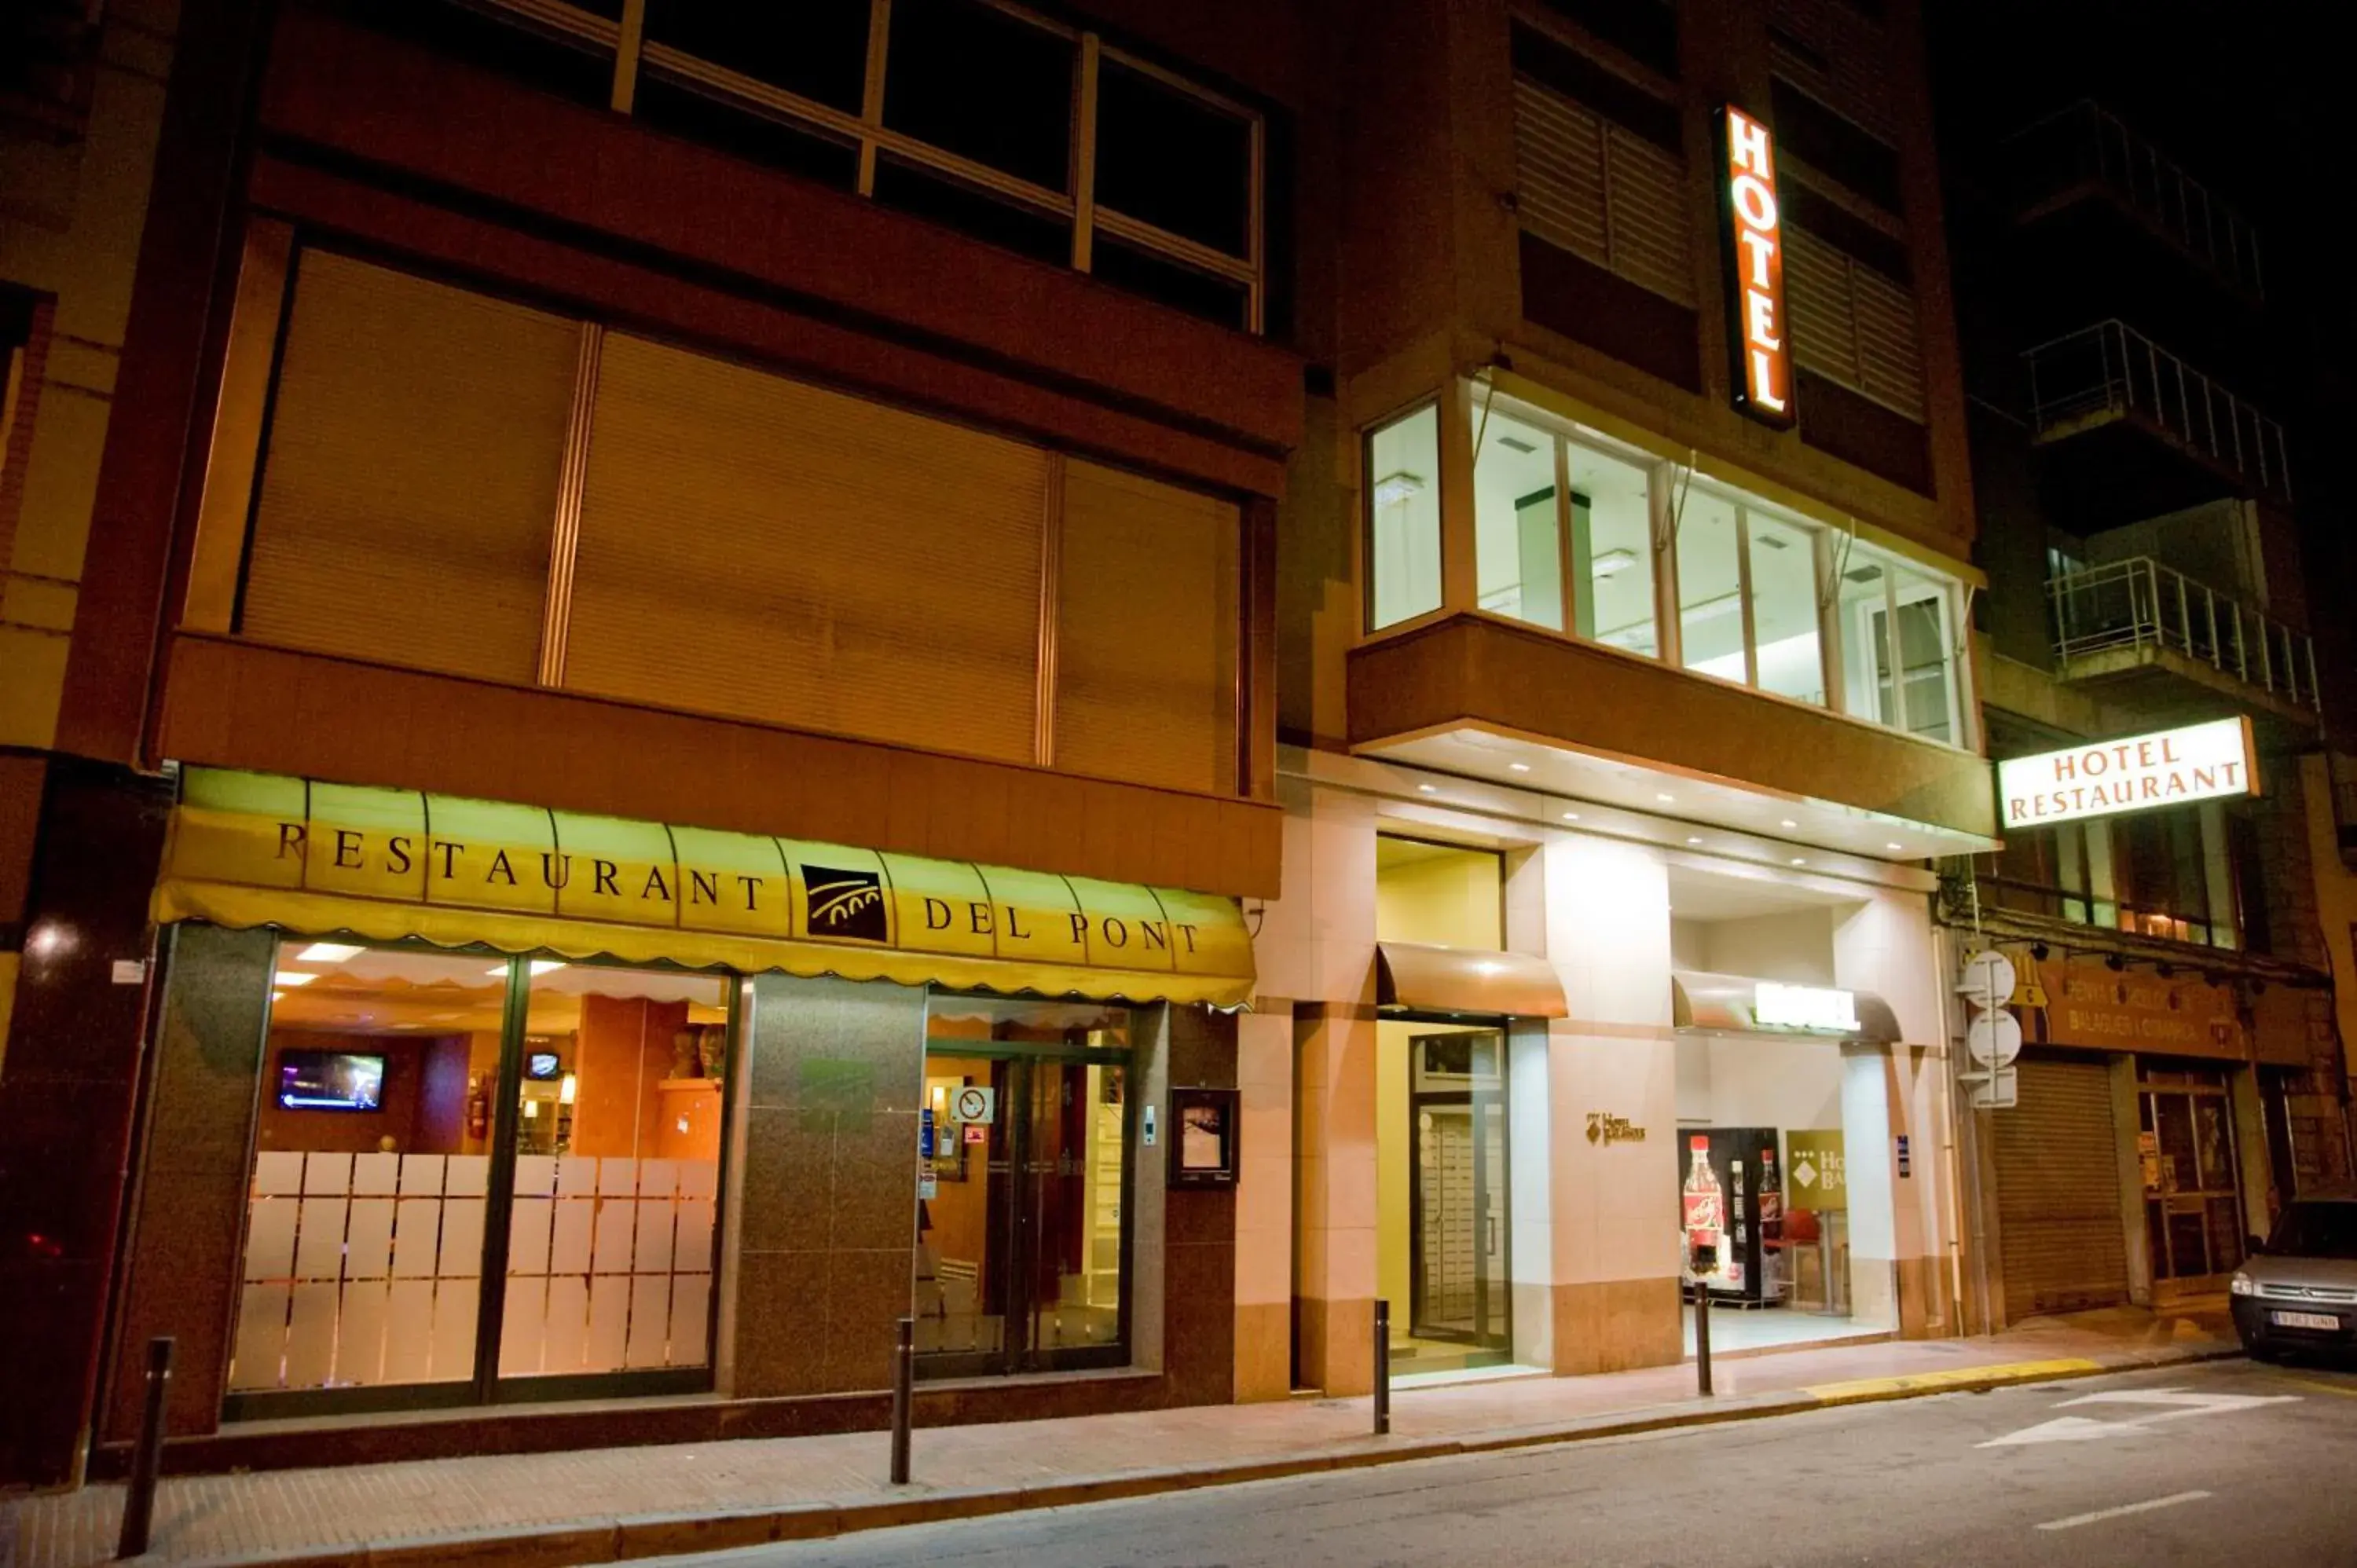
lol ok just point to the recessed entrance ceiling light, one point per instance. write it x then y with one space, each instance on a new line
1692 839
1571 816
1429 789
1520 766
1788 822
1665 800
1894 843
1798 861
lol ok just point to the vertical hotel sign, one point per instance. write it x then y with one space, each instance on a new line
1752 236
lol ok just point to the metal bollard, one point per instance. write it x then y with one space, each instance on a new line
904 1371
1702 1335
1383 1385
147 1459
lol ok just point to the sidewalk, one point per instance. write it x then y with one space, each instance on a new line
603 1505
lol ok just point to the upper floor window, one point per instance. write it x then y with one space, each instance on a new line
1578 534
2186 874
551 503
1023 130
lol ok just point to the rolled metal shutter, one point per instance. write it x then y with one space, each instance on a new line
2057 1191
1817 296
1645 194
409 492
1559 159
1147 632
1600 191
760 548
1890 353
1852 325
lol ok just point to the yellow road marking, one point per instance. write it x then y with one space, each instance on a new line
1919 1382
2346 1391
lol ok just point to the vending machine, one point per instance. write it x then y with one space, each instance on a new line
1744 1168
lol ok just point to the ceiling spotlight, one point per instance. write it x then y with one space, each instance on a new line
1520 766
1788 822
1894 843
1691 839
1428 788
1665 800
1571 816
1799 861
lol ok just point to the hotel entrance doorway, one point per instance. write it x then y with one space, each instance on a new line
1458 1237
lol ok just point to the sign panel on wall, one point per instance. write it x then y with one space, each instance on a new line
1752 236
1816 1170
2168 767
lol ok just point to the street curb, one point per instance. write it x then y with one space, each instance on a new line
634 1536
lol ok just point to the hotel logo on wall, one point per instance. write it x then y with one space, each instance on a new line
1752 236
2168 767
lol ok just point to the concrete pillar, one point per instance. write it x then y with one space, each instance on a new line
1265 1204
1613 1208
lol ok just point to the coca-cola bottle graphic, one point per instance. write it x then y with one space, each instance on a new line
1705 1203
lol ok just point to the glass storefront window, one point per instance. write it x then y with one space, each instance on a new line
1612 549
414 1122
1023 1213
1710 592
616 1170
1517 530
1785 608
372 1170
1403 477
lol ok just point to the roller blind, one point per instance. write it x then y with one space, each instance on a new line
1589 186
409 490
756 547
1853 325
1147 632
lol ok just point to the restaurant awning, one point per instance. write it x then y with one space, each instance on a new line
255 849
1415 978
1740 1005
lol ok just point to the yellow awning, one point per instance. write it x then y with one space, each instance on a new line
257 849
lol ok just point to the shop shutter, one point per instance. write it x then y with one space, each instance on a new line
1589 186
2057 1191
409 491
1852 325
756 547
1147 632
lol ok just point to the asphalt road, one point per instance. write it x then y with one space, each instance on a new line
2181 1466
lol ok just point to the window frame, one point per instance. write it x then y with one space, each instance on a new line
634 55
1668 485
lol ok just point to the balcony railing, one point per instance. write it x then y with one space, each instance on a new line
2140 604
2110 369
2088 144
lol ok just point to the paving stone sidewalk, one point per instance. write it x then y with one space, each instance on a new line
602 1504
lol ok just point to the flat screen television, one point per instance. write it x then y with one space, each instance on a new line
329 1080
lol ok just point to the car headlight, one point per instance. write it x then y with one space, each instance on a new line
2242 1285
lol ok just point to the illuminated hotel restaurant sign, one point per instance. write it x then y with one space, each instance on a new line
2199 762
1753 238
